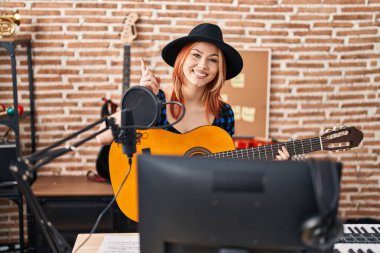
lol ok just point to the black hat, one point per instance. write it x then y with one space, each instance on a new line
206 33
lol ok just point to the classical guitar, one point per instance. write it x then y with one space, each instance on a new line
214 142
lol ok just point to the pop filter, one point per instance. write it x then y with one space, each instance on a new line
140 110
145 107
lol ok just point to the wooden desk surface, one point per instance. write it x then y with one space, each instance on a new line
93 244
54 186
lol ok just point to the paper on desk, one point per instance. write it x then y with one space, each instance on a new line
120 244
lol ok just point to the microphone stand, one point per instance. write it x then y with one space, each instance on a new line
23 170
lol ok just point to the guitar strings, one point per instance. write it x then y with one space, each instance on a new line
263 153
298 146
301 148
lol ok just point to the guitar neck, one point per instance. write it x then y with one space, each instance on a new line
126 68
269 152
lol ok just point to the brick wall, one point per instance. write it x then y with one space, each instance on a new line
325 71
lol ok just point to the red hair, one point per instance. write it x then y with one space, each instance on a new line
211 94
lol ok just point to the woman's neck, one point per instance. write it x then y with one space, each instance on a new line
192 94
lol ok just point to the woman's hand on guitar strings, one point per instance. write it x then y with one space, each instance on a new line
149 79
283 154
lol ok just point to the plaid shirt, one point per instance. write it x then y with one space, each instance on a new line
224 120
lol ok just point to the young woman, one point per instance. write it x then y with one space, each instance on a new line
202 62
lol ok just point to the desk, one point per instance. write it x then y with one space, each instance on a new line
93 244
53 186
72 204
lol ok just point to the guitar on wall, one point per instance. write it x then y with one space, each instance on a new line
210 141
127 36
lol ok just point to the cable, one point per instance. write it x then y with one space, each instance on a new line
107 207
315 169
130 167
179 118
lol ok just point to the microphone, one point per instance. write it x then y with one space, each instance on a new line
127 136
139 108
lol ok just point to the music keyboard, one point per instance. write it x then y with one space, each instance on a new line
359 238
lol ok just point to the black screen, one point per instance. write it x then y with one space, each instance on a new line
214 205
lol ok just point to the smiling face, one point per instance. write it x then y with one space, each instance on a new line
201 64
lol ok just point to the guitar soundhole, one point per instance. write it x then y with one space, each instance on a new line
197 151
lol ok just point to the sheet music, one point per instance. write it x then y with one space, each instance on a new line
120 244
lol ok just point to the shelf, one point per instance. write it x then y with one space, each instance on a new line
17 39
7 145
11 151
11 120
8 190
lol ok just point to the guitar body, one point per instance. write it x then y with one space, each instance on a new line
198 142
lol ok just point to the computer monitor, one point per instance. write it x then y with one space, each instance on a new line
216 205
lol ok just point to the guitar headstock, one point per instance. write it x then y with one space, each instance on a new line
130 32
341 138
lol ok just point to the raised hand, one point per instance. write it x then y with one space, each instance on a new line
148 79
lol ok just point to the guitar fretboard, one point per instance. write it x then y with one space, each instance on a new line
269 152
126 68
